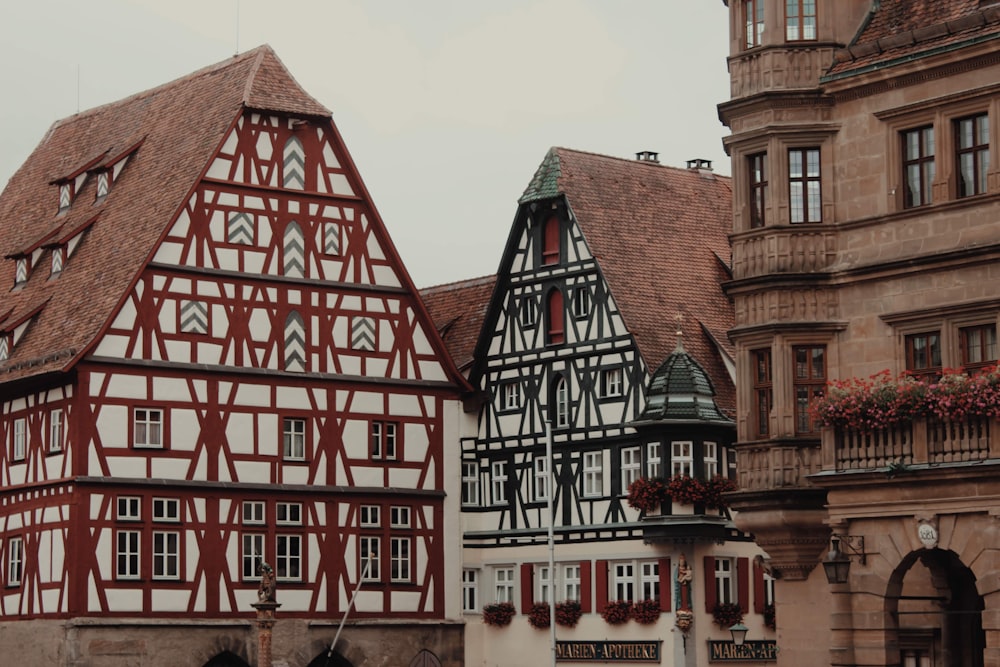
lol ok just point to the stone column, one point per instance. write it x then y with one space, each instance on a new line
265 623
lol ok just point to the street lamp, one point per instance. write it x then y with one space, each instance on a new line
837 564
739 633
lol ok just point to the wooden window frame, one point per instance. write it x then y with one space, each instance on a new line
806 206
978 153
470 590
753 22
551 234
15 561
560 402
146 423
593 475
370 547
814 385
931 343
19 440
166 550
132 554
401 565
801 19
654 459
386 444
503 584
284 562
57 430
631 466
612 382
681 463
757 181
555 330
923 162
763 391
470 483
542 477
294 442
498 482
250 562
987 334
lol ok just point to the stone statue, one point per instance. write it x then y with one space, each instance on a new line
682 588
265 592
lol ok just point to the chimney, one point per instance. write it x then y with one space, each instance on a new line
648 156
700 164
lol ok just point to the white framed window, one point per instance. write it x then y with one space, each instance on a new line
611 382
289 514
166 555
561 407
166 509
635 580
19 439
529 312
681 460
581 302
593 474
399 517
470 483
510 395
15 561
147 427
252 556
631 466
384 440
503 584
400 563
293 434
542 477
711 460
370 516
649 580
498 477
571 582
56 430
128 508
470 590
289 558
543 584
127 554
654 467
768 589
623 581
371 553
725 592
253 511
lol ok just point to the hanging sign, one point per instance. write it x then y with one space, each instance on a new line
606 651
764 650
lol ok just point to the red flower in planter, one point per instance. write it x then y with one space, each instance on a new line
617 612
646 612
568 613
499 614
539 615
646 493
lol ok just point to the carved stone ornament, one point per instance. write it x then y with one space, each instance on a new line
927 534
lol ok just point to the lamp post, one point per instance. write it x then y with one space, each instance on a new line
739 633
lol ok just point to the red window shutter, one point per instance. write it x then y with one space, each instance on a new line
556 331
709 584
743 584
601 583
585 588
758 589
664 567
550 251
527 587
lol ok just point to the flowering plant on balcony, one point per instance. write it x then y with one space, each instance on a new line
646 493
568 613
727 614
958 396
686 490
498 614
616 612
714 488
539 615
646 612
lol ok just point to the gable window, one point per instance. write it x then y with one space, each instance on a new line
65 195
295 343
470 590
560 399
972 154
681 458
529 312
58 259
399 517
369 516
289 514
542 477
166 510
21 269
762 391
510 395
753 18
611 382
503 588
556 334
331 238
809 385
498 476
918 166
5 342
800 20
384 440
758 188
293 435
147 427
550 242
979 346
593 474
653 460
470 483
923 354
581 302
103 183
19 439
253 511
15 561
128 508
804 185
631 466
241 228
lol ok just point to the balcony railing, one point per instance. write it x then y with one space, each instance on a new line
924 441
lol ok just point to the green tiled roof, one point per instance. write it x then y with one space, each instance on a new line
545 183
681 390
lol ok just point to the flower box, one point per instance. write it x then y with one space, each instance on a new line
617 612
499 614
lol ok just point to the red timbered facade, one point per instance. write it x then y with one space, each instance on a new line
212 357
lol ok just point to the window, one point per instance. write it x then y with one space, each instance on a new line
923 354
804 185
470 483
65 195
128 508
654 466
56 430
294 439
571 583
556 334
711 459
635 580
384 440
370 516
503 589
581 302
611 382
810 385
166 555
631 466
19 439
166 510
649 580
253 555
510 395
370 562
768 589
15 561
289 558
289 514
103 183
529 312
561 403
400 558
593 474
623 581
148 427
499 479
470 590
979 346
544 584
724 581
753 15
758 188
58 259
542 478
253 511
800 20
127 554
21 269
762 392
550 242
972 154
918 166
681 458
399 517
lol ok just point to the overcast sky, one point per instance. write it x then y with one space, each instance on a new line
447 106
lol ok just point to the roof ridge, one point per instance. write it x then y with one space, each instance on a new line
458 284
628 160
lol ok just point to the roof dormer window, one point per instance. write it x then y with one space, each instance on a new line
4 345
58 259
103 184
21 270
65 195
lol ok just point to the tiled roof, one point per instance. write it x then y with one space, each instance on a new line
905 30
458 310
178 127
680 390
657 233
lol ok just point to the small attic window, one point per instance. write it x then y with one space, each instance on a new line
21 270
4 346
103 184
65 195
58 259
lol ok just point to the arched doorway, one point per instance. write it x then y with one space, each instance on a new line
335 660
425 659
226 659
932 597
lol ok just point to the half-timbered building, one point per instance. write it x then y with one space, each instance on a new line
211 356
603 360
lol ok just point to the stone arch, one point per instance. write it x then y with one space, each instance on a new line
425 659
325 660
227 659
222 649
